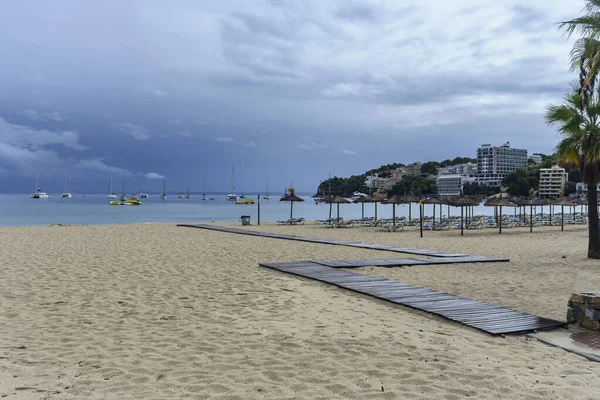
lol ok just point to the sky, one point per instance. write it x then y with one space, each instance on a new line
276 89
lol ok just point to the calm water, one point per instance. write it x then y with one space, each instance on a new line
20 209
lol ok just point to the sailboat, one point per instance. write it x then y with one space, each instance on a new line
204 189
65 193
123 195
188 196
143 195
232 196
111 194
266 196
323 197
163 196
38 192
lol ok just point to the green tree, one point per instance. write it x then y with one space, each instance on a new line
570 188
578 122
429 168
517 182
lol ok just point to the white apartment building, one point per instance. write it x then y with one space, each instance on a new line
495 162
452 185
582 188
536 158
467 169
552 181
372 181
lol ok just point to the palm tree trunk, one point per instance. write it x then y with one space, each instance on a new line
594 233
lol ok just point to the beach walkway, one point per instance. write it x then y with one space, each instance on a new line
488 318
395 249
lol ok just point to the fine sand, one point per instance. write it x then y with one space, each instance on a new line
156 311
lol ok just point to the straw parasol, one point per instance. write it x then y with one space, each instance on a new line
531 201
378 198
291 197
409 199
363 199
337 200
393 201
499 202
433 200
462 202
562 202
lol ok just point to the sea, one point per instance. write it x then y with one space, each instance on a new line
22 210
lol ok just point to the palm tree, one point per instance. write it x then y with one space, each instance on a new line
578 122
585 55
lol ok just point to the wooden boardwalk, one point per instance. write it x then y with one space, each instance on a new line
396 249
485 317
401 262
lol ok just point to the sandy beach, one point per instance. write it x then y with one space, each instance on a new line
157 311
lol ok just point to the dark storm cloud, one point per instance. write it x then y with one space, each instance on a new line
178 89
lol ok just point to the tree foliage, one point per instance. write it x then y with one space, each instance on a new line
518 182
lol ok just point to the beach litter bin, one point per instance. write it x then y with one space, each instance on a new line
245 220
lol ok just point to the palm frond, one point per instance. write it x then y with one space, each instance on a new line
587 25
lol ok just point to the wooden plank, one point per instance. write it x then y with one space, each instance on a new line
482 316
396 249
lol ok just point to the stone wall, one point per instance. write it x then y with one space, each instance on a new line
584 309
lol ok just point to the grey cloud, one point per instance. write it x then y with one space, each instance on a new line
99 165
153 175
224 140
250 144
24 136
51 116
137 132
358 12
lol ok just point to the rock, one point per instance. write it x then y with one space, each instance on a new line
584 309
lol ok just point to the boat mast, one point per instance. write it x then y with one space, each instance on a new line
110 185
123 180
204 186
164 185
37 182
232 180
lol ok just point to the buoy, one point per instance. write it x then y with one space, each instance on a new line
18 204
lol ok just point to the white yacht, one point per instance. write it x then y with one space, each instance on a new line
163 196
143 195
266 196
111 194
204 190
357 195
232 196
38 192
188 196
66 194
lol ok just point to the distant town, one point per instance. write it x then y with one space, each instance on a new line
494 168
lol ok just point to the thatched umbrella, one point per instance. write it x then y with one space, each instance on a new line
499 202
409 199
562 202
462 202
433 200
337 200
362 200
580 201
378 198
531 201
291 197
393 201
